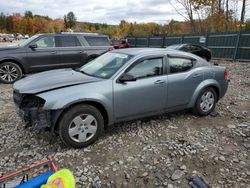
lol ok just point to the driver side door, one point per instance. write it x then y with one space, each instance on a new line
146 95
45 56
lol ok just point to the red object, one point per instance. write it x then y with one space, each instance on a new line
117 44
50 164
226 74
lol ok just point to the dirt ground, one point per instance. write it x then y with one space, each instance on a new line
162 151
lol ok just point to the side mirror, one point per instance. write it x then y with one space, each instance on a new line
33 46
127 78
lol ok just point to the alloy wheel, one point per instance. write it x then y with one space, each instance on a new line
207 101
8 73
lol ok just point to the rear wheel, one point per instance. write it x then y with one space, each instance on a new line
205 102
81 126
10 72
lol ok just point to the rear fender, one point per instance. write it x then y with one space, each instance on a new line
201 86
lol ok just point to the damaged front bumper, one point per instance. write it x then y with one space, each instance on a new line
35 117
30 109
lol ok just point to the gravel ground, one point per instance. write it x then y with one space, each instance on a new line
158 152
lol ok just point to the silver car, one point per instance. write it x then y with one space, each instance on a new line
118 86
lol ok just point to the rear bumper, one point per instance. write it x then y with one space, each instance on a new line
224 88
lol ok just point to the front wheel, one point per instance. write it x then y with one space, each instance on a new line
10 72
205 102
81 126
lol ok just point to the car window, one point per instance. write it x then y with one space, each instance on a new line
179 64
46 42
27 41
97 41
194 48
198 47
69 41
185 48
147 68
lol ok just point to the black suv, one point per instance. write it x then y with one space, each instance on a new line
50 51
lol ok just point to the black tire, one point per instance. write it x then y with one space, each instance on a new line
66 122
204 104
10 72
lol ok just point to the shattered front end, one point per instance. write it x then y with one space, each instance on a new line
30 109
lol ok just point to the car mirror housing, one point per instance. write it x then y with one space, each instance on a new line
126 78
32 46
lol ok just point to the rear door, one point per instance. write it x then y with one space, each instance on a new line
184 75
45 56
71 51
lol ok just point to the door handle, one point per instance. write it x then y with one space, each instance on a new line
196 75
53 52
159 82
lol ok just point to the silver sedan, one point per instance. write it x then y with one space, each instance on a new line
118 86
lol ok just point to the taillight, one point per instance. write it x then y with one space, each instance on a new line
226 74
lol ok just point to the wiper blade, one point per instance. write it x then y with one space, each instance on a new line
84 72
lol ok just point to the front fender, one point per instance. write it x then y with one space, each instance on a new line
200 87
64 101
60 99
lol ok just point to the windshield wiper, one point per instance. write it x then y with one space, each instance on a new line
79 70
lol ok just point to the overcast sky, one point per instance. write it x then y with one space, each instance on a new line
101 11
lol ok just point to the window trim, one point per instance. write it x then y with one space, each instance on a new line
146 58
194 61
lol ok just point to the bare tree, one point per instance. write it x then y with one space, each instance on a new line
227 15
242 17
188 6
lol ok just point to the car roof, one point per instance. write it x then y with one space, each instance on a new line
74 33
141 51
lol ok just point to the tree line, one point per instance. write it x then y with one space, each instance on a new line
200 16
29 23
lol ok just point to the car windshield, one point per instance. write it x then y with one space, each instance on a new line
105 65
25 42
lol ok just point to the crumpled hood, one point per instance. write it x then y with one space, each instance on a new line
53 79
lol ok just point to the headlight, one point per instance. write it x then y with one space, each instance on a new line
30 101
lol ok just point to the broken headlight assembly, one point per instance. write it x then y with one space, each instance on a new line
31 101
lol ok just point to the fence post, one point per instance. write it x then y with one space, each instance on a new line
135 41
207 36
182 39
163 41
148 38
237 45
